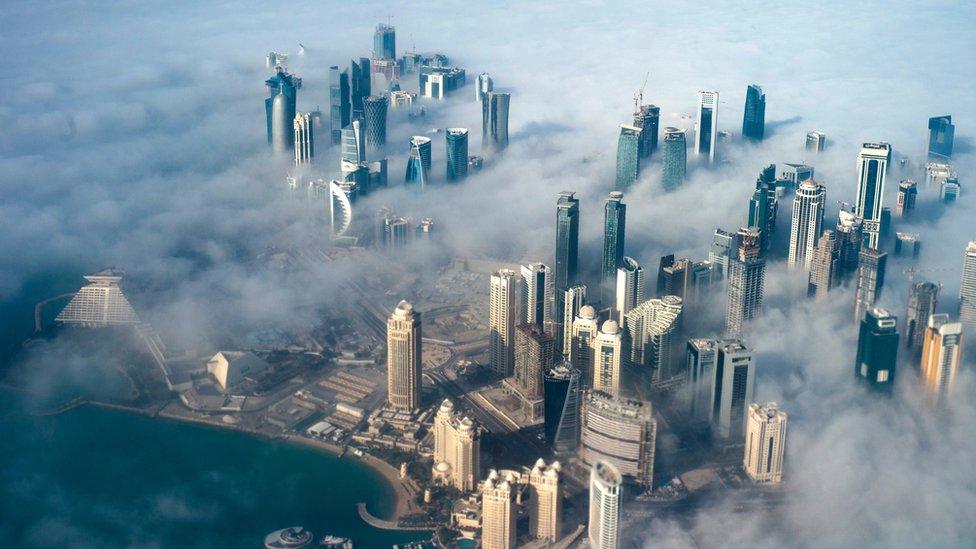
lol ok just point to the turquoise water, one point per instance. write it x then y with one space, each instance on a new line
99 478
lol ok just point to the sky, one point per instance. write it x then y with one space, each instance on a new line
134 136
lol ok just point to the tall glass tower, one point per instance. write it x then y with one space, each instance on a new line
872 168
967 291
941 134
807 223
567 239
870 279
706 125
648 119
384 42
675 158
877 349
359 86
923 298
754 118
376 107
628 155
287 85
494 111
457 153
562 407
339 108
747 274
614 229
418 164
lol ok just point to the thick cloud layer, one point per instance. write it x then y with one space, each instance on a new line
134 136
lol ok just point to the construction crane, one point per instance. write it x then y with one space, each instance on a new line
912 271
639 96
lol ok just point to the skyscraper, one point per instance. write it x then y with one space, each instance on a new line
674 161
561 395
607 351
457 443
923 299
949 190
808 210
304 139
620 431
628 155
359 86
907 244
545 502
384 42
870 279
648 119
754 118
823 265
651 331
483 85
941 353
967 290
877 349
353 149
871 173
849 239
614 230
941 134
567 239
457 153
765 443
498 513
702 357
376 107
281 112
418 164
732 385
816 141
339 108
747 273
537 295
606 491
706 125
796 174
503 314
585 329
495 120
403 357
763 207
630 287
907 193
723 249
533 358
572 301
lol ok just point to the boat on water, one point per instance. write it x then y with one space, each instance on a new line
335 542
294 537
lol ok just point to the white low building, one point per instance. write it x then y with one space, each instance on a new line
231 367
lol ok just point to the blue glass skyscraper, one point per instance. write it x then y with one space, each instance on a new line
877 349
287 85
494 117
647 118
418 164
763 206
457 153
614 229
567 240
339 108
675 158
941 135
376 108
384 42
359 86
628 156
754 118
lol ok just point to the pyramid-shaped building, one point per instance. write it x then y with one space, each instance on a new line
99 303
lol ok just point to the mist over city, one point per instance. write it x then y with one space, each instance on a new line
213 337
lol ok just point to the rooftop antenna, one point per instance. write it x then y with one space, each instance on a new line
639 96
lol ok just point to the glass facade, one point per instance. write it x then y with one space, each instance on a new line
457 153
877 349
628 156
675 158
754 118
614 229
376 109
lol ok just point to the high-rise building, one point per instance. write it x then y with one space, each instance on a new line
567 239
849 239
377 174
747 274
403 357
457 443
816 141
941 354
941 134
732 384
907 193
824 265
923 299
628 155
498 514
877 349
967 290
353 149
483 85
703 276
359 86
754 118
572 301
607 351
674 279
561 395
907 244
648 119
675 158
100 303
376 108
585 329
503 314
936 173
808 211
439 82
949 190
723 249
495 120
418 164
870 279
706 125
702 358
796 174
281 112
401 99
533 358
651 331
606 495
384 42
545 502
619 431
763 207
871 174
537 295
304 138
614 230
630 287
457 153
765 443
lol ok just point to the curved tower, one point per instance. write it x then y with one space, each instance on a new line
282 124
605 491
376 107
457 153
